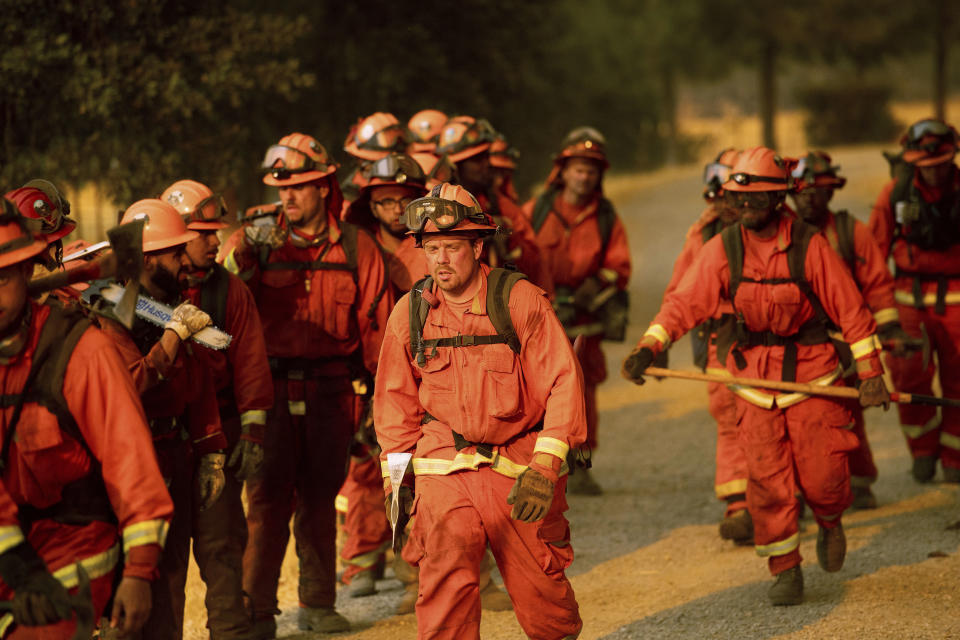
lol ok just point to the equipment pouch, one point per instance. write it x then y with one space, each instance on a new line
614 315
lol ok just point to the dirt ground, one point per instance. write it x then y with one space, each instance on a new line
649 561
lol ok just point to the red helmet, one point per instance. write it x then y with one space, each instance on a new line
717 172
41 200
437 169
929 142
296 159
17 242
447 209
375 136
815 170
760 169
502 155
424 129
164 226
396 169
464 137
200 208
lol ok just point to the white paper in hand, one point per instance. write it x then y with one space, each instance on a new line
397 465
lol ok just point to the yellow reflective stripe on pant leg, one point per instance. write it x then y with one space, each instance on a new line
10 536
914 431
781 548
370 558
730 488
950 441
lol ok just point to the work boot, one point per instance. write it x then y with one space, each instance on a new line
738 526
923 468
322 619
582 483
831 548
263 629
951 474
362 584
408 603
788 588
863 498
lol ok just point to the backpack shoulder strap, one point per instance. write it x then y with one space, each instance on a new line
349 240
542 207
213 294
500 283
800 236
606 219
710 230
845 240
418 316
733 247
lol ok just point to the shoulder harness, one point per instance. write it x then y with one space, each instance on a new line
606 216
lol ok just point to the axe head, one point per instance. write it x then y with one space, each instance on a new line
126 240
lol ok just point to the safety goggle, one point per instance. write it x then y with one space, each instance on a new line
750 199
510 153
445 214
398 169
282 161
716 173
809 167
390 138
199 213
744 179
477 133
918 130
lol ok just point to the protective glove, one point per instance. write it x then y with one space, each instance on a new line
892 335
210 478
187 320
405 500
585 294
636 363
272 236
131 606
247 457
873 393
38 598
532 493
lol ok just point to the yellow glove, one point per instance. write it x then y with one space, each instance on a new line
187 320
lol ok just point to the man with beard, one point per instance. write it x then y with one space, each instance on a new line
785 285
816 181
244 394
177 391
322 292
730 483
80 483
583 245
916 221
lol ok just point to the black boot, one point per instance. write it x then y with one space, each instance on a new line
788 588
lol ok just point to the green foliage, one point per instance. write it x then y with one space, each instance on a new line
847 113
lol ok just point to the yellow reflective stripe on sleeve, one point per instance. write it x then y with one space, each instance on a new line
863 348
145 532
889 314
10 536
781 548
767 401
253 416
659 333
340 503
552 446
370 558
230 264
297 407
730 488
929 299
950 441
915 431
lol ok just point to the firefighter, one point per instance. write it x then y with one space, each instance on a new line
177 390
75 449
437 169
785 285
423 129
466 141
916 221
731 468
583 245
41 200
244 394
816 179
322 292
370 139
489 427
503 164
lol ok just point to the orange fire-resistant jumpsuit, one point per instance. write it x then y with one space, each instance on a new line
570 247
730 479
245 393
791 441
517 405
180 401
323 324
924 276
48 467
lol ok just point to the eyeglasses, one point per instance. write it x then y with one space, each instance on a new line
446 214
927 128
389 203
751 199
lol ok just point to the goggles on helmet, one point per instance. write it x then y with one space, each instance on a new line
283 161
744 179
919 130
391 168
198 215
390 138
479 132
752 199
445 214
714 175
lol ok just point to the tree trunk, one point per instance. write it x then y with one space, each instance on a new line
768 93
940 61
668 96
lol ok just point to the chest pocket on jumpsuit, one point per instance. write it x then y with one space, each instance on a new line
784 312
340 290
501 381
38 432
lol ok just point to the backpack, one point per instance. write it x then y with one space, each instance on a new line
927 225
606 216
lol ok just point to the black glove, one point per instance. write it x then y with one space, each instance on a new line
895 339
636 363
38 598
405 500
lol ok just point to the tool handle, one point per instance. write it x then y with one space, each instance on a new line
777 385
93 270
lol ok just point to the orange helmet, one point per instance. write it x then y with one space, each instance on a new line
164 226
584 142
200 208
717 172
396 169
41 200
447 209
929 142
17 242
375 136
814 170
437 169
424 128
502 155
296 159
760 169
464 136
